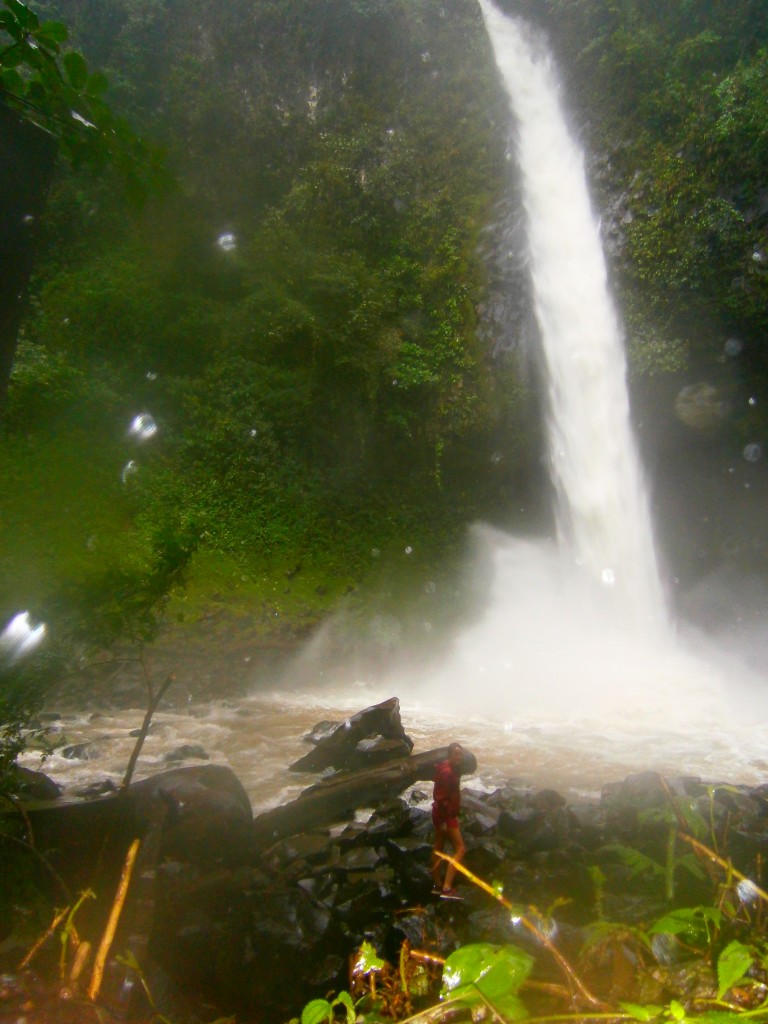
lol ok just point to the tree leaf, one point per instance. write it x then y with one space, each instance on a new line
53 30
97 84
732 964
26 18
11 81
76 69
316 1011
10 25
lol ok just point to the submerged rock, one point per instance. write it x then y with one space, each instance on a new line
186 753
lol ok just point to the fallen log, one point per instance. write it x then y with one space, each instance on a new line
334 799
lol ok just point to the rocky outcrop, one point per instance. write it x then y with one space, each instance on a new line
371 736
259 916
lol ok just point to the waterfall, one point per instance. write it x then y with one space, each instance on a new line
602 510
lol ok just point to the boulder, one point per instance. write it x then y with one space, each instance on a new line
338 749
30 785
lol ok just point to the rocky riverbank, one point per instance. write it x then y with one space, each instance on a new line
231 914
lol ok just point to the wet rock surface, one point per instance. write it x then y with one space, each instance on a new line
250 916
372 736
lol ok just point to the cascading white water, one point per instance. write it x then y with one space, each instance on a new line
602 507
578 631
556 682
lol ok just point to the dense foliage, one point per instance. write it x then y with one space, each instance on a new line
675 95
300 317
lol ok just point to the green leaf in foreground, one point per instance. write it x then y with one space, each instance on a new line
692 922
732 964
484 972
641 1013
345 999
368 959
316 1011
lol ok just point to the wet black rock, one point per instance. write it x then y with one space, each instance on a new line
320 731
95 789
78 752
338 749
30 785
134 733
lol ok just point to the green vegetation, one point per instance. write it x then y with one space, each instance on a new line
299 317
51 85
675 96
705 962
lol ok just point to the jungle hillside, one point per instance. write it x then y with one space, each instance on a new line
288 377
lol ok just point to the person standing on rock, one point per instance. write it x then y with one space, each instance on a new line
446 804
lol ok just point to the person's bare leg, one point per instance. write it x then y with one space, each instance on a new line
459 849
437 865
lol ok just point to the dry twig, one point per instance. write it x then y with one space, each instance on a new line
571 976
114 917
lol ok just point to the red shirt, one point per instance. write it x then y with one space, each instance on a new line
446 796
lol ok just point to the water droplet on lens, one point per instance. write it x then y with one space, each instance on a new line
496 458
150 375
129 469
409 550
733 347
752 452
753 400
254 432
20 636
375 553
394 383
227 241
427 627
142 427
430 588
664 948
747 891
